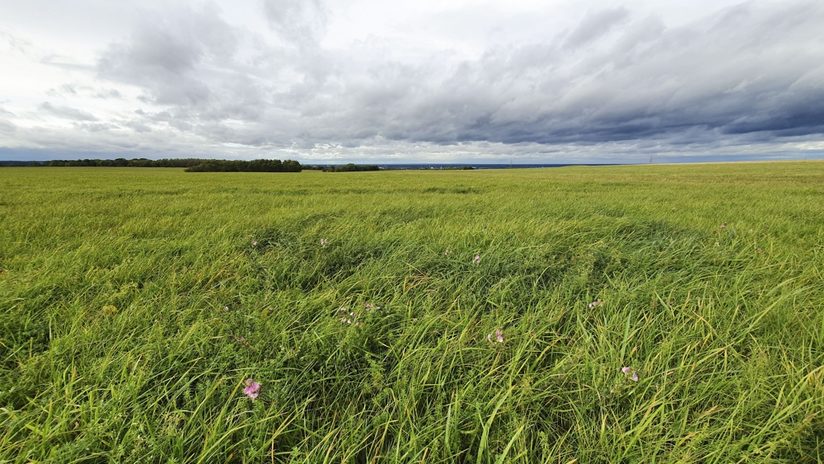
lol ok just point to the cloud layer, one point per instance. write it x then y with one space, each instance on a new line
603 83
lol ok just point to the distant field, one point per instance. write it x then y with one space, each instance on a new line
135 302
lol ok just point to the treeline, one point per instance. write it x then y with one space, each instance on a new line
350 167
260 165
215 165
116 163
191 164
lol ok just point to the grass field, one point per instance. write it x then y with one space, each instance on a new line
134 303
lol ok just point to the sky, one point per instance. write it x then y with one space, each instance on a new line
553 81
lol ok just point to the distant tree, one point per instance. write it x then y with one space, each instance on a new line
260 165
351 167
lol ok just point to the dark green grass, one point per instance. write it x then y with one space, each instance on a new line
134 303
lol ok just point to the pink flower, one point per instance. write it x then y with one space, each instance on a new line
630 373
477 259
498 336
252 389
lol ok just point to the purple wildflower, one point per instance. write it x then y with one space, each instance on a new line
630 373
497 336
252 389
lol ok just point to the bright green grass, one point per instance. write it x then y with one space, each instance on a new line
133 306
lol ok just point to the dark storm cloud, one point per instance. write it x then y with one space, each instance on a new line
751 72
66 112
733 73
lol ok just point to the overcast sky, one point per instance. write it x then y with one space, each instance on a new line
419 81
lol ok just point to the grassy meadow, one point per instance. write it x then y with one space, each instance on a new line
413 316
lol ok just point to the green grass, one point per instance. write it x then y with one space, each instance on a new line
133 304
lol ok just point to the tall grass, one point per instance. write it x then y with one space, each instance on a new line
134 304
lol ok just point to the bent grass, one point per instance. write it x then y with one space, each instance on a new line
491 315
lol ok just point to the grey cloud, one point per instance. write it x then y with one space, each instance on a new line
15 43
302 22
95 126
189 60
652 81
6 127
614 78
108 93
23 46
73 90
65 62
172 56
595 25
65 89
137 126
66 112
